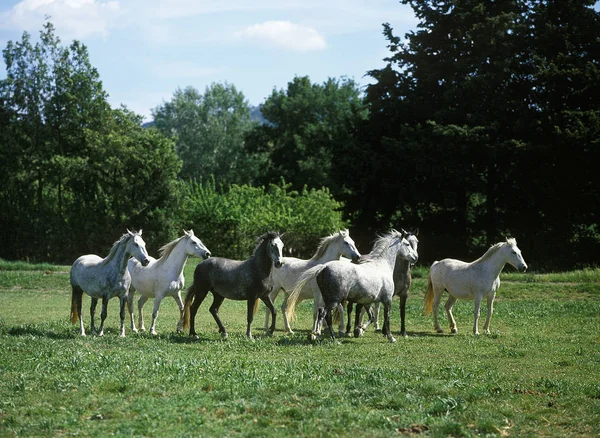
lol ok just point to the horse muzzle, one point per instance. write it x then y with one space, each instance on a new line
207 254
278 264
145 262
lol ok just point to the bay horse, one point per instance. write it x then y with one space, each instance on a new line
163 277
470 281
248 280
105 278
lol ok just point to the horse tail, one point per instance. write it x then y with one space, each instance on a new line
256 303
76 297
187 303
293 299
428 305
336 312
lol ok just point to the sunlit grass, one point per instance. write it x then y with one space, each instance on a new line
533 376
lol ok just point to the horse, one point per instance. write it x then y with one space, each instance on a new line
364 283
402 282
163 277
249 280
468 281
105 278
330 248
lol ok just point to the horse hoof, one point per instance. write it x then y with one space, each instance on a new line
377 330
391 339
455 331
223 336
358 332
289 332
154 333
403 334
313 337
439 330
270 333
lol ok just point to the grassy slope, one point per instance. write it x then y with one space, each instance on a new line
535 375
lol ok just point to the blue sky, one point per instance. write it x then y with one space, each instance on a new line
146 49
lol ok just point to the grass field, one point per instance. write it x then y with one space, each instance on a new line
537 374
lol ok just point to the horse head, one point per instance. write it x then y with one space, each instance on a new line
515 258
274 248
195 247
137 247
348 247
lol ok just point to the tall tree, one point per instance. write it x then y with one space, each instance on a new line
209 131
467 101
309 126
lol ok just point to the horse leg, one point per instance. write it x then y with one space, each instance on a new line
141 303
349 306
358 330
376 316
271 309
178 300
403 298
329 320
273 296
448 306
92 315
476 308
490 302
214 311
318 303
198 298
318 323
286 321
103 315
157 299
437 296
386 321
130 309
123 300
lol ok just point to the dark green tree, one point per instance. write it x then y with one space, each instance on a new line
310 127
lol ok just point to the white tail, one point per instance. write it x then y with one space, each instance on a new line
293 298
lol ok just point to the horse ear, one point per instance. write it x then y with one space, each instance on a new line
140 232
129 232
403 231
416 232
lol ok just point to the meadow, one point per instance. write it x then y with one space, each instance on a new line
537 374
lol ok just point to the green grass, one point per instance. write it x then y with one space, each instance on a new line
535 375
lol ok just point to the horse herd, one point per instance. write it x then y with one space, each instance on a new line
337 274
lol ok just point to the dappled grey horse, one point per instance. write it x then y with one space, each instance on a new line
105 278
402 282
365 283
237 280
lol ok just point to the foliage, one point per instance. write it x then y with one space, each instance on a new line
479 92
75 173
530 377
208 130
229 221
310 128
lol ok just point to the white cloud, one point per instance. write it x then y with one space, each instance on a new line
285 35
75 18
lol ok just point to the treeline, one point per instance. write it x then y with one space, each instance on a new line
484 123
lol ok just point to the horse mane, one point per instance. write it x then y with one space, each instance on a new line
324 244
269 235
118 242
382 243
495 248
168 248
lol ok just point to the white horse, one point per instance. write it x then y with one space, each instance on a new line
366 282
331 248
402 282
105 278
163 277
468 281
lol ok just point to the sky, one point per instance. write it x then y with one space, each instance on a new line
145 50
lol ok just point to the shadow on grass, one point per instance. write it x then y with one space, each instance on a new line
37 331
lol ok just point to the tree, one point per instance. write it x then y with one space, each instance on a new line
309 128
75 173
466 103
209 131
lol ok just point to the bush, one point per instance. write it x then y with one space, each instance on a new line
229 221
